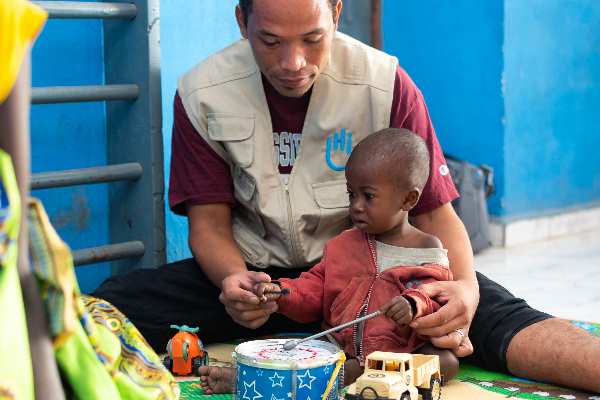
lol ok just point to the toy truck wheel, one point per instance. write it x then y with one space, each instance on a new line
168 363
352 396
435 390
361 396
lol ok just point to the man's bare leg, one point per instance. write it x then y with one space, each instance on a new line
556 351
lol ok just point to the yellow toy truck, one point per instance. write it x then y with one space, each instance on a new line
398 376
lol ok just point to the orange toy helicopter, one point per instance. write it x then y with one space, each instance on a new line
185 352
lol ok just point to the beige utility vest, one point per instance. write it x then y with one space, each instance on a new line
276 224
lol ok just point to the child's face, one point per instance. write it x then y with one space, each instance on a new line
376 204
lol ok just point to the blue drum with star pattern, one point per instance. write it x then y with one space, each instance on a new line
313 370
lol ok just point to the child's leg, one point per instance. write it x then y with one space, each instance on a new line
352 370
448 361
216 379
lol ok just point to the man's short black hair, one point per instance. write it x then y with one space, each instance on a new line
246 7
399 153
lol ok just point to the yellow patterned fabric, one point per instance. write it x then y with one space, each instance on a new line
101 355
20 23
16 377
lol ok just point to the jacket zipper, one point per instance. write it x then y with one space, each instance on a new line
365 306
292 237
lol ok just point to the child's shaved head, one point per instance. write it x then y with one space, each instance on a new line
398 153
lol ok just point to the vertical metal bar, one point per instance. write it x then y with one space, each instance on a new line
376 35
132 54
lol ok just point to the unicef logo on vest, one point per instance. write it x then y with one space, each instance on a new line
338 148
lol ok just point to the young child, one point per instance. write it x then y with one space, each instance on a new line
378 264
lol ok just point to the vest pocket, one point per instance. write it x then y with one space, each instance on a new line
332 201
330 195
236 133
248 228
244 187
250 246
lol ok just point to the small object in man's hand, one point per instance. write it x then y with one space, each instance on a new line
273 295
282 292
270 292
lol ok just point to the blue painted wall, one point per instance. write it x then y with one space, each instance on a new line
514 85
552 97
187 35
66 136
453 52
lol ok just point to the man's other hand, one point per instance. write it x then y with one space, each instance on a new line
458 308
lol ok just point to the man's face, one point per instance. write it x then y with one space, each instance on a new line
291 41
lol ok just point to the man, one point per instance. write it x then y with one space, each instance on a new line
261 134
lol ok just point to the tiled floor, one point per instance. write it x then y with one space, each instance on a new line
559 276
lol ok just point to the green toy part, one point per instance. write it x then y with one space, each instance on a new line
185 328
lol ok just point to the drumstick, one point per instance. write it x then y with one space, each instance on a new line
282 292
289 345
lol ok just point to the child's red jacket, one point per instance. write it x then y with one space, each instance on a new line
346 278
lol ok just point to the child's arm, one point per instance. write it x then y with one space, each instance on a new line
304 301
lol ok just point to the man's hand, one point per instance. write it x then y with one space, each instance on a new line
459 301
398 310
244 307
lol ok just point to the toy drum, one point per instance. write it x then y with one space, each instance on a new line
313 370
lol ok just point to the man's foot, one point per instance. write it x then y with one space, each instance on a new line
217 379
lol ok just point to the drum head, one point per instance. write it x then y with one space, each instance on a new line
270 354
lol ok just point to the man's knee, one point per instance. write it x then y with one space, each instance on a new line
499 318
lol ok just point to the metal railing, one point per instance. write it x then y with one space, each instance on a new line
70 94
108 253
86 176
76 9
136 193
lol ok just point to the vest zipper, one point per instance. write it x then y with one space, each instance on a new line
293 248
365 307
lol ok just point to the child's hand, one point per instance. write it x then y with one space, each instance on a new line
399 309
268 291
